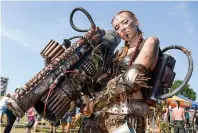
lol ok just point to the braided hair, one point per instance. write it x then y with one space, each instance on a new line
178 103
123 53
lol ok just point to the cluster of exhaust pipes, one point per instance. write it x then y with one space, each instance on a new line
52 50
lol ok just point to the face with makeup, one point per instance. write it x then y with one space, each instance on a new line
125 26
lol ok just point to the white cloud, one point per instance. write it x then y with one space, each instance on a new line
19 36
36 37
35 42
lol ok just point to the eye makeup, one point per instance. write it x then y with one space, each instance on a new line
131 23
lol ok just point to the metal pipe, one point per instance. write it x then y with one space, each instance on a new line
189 73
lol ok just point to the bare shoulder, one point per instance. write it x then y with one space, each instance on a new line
152 40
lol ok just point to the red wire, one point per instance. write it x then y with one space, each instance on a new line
51 88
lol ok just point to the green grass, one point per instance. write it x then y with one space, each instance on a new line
42 128
22 130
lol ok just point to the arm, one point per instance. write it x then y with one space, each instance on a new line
149 53
72 108
135 75
184 118
183 113
173 115
166 115
147 59
77 117
194 118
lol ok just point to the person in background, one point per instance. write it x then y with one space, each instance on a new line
31 119
167 113
53 126
38 118
67 118
66 121
187 117
178 118
196 121
171 120
92 122
17 122
77 116
4 110
2 107
191 119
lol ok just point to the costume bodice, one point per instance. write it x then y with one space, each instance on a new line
126 60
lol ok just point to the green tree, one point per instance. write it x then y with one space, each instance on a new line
186 91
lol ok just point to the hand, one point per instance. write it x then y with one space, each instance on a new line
106 96
73 123
185 125
112 83
9 104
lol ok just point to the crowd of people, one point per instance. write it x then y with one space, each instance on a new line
180 119
33 119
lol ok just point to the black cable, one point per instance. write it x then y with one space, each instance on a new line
88 16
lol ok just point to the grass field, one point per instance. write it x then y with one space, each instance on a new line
43 126
22 130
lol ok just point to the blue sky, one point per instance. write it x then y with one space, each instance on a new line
26 27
